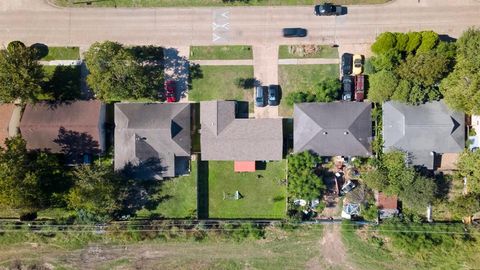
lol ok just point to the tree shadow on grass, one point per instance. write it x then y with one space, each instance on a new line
64 83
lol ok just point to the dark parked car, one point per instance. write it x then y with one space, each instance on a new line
328 9
347 85
359 88
294 32
260 96
273 95
347 60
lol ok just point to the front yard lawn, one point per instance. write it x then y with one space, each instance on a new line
62 83
178 197
296 78
62 53
324 51
220 83
263 193
220 52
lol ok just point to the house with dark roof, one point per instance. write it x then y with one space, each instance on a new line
8 122
75 128
153 140
333 129
425 131
224 136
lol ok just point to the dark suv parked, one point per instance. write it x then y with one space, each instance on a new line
260 96
273 95
347 60
347 85
328 9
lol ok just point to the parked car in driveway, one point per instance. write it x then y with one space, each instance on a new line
359 88
328 9
347 59
357 64
294 32
347 86
273 95
347 187
170 87
260 96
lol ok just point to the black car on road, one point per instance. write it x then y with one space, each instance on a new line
328 9
294 32
347 62
273 95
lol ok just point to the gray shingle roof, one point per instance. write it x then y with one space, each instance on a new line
224 137
329 129
150 136
419 130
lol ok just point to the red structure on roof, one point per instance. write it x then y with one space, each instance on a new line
244 166
386 202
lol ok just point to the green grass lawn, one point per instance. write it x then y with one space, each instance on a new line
62 83
219 82
296 78
180 195
220 52
62 53
263 197
167 3
324 52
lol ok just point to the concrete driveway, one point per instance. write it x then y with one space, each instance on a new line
36 21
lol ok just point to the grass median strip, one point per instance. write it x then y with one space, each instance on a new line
301 78
307 51
221 52
62 53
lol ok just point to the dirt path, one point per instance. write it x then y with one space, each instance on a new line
332 249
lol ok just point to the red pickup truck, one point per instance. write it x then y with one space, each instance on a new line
359 88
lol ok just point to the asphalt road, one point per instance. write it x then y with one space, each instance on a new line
35 21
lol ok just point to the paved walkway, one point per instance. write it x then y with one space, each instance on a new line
309 61
243 62
61 63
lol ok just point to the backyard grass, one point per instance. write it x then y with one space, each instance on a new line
183 3
219 82
280 249
180 197
325 51
62 53
436 249
220 52
263 194
62 83
296 78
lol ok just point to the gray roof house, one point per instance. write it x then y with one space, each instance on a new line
152 139
333 129
225 137
423 131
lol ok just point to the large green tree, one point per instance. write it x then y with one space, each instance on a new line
19 182
461 88
303 183
116 74
425 69
21 75
468 165
382 86
96 190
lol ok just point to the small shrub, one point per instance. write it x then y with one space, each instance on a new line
429 41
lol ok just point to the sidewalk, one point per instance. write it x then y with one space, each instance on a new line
308 61
243 62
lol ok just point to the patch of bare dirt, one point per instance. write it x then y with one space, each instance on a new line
332 248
